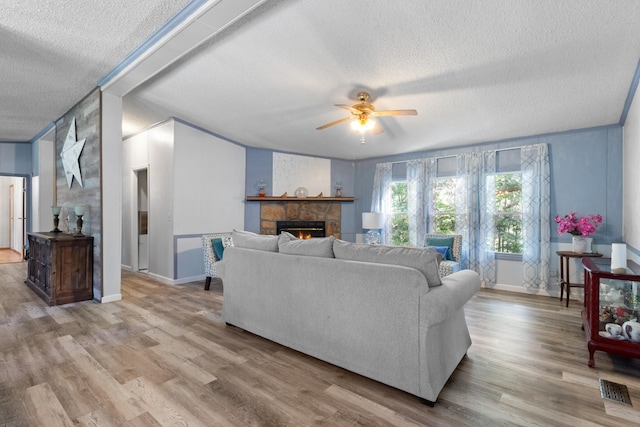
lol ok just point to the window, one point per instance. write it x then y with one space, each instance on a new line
399 214
508 213
443 205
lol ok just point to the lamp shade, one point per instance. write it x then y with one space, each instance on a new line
618 258
372 220
79 209
56 210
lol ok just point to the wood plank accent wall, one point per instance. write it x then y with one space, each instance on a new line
87 113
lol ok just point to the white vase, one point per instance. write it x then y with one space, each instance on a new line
579 244
589 242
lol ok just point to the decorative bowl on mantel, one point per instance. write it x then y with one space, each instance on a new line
301 192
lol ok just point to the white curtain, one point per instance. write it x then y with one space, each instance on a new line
475 209
534 164
381 200
431 173
475 222
417 193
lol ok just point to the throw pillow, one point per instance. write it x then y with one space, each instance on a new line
315 246
218 247
423 259
442 241
249 240
443 250
285 235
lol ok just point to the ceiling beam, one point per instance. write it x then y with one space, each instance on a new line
196 23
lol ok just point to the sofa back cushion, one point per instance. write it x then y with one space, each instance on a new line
423 259
315 246
249 240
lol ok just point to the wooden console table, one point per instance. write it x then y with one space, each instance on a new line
565 278
60 267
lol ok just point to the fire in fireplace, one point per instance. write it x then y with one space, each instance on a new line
302 229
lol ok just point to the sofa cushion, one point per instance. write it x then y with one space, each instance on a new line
442 241
423 259
249 240
315 246
442 250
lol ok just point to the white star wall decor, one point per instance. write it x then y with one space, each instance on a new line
70 155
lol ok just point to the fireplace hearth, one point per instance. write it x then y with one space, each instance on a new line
302 229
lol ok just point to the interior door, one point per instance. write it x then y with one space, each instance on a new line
23 218
11 214
143 219
17 219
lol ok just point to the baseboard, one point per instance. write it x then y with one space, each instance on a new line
181 281
576 294
162 279
189 280
111 298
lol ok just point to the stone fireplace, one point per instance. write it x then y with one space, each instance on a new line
302 229
296 210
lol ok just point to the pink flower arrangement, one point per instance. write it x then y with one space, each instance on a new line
576 225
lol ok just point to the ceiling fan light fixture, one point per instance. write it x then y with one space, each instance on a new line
362 113
363 123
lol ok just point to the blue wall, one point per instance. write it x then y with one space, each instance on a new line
259 166
585 168
586 176
15 158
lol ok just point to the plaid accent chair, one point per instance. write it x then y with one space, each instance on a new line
209 255
448 267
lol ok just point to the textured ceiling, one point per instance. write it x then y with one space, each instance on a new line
476 71
53 53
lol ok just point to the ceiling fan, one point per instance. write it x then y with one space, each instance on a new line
362 113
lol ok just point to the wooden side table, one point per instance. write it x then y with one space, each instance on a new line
565 277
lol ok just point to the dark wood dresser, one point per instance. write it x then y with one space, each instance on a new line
60 267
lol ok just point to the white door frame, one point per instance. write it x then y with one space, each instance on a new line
17 240
12 216
134 215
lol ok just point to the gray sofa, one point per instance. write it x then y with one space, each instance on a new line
352 305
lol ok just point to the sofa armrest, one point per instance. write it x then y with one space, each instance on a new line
455 291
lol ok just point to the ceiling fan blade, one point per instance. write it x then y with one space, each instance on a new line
395 113
349 108
334 123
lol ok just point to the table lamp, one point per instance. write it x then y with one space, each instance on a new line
618 258
79 211
56 218
373 222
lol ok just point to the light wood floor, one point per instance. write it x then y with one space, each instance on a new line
162 356
9 255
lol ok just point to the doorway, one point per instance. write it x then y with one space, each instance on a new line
140 226
12 219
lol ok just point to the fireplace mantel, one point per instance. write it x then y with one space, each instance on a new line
299 199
